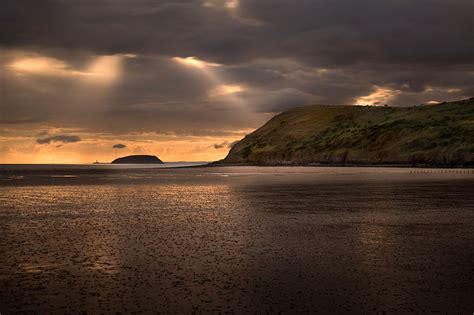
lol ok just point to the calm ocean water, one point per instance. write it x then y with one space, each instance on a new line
102 238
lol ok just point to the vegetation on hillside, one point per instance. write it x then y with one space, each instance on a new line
430 134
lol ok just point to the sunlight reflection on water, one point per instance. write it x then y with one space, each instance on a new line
258 238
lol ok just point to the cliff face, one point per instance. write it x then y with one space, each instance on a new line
138 159
431 134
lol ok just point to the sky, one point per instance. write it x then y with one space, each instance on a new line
84 80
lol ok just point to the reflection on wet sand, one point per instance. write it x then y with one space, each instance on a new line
251 241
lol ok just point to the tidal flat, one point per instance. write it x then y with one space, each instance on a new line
236 239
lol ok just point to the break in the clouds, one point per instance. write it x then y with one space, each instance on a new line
58 138
213 68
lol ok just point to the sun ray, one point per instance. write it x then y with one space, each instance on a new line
222 89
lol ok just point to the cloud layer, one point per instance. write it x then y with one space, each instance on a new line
58 138
217 68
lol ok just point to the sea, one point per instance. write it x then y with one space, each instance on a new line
184 238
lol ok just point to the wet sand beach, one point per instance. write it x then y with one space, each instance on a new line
236 239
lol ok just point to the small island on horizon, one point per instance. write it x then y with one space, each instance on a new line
138 159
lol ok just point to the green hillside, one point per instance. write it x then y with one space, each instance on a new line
431 134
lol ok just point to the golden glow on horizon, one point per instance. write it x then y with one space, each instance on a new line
380 96
23 148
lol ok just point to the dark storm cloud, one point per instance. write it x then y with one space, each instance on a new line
123 26
58 138
283 53
119 146
337 33
320 32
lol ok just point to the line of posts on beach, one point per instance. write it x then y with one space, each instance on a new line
443 171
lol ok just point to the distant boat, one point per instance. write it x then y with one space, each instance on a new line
96 162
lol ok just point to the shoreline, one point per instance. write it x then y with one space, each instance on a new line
375 165
308 165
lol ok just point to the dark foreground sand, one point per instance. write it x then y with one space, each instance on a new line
237 239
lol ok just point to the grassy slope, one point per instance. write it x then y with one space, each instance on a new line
436 134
